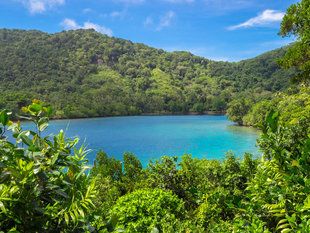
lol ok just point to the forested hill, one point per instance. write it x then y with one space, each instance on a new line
83 73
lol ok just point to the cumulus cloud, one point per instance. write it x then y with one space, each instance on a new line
40 6
165 20
70 24
263 19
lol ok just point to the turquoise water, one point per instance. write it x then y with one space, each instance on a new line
203 136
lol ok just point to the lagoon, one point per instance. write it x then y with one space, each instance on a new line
203 136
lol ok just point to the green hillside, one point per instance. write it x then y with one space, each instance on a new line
85 74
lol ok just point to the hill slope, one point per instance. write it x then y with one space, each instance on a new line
83 73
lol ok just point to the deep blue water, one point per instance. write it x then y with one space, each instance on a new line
203 136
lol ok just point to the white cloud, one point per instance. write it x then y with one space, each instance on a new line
70 24
98 28
148 21
165 20
87 10
263 19
179 1
40 6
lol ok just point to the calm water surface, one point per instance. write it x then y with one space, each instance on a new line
203 136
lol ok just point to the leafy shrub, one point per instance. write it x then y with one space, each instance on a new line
107 167
43 188
164 174
144 210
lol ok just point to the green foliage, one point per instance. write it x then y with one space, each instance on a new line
45 184
148 210
258 113
281 186
296 22
237 109
107 167
164 174
42 186
232 195
114 181
293 106
132 166
86 74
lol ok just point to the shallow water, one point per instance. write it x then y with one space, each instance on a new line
203 136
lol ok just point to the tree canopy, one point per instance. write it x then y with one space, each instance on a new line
296 22
84 74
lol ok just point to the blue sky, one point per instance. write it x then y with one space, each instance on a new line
228 30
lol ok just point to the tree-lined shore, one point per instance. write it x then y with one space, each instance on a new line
83 73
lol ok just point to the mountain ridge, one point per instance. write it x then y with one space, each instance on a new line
83 73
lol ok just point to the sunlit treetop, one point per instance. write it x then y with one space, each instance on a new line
296 22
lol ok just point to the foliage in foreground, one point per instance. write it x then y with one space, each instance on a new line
43 188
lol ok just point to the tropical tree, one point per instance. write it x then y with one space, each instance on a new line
296 22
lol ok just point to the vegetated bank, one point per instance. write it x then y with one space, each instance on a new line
252 195
43 188
216 113
86 74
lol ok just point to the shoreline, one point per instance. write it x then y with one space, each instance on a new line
210 113
213 113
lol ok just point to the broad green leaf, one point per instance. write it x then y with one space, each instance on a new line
283 226
4 118
35 107
24 137
282 221
2 207
62 193
33 148
43 126
66 218
54 159
29 165
72 216
49 111
286 230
